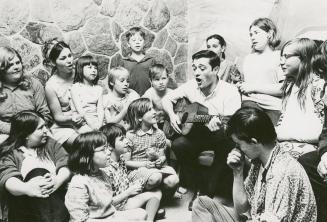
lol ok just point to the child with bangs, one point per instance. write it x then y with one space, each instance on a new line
127 194
119 97
148 160
90 196
159 80
137 62
86 94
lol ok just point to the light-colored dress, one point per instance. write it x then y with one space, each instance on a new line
88 97
62 89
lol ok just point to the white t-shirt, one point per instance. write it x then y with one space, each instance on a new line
263 69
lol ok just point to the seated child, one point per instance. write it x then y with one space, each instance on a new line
90 196
116 102
126 195
148 160
86 94
159 79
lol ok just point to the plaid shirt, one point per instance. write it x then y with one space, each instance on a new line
143 143
119 179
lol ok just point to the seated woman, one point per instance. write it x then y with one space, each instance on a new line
18 92
127 195
302 115
57 91
315 163
90 195
32 171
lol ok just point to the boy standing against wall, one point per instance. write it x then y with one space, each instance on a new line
137 63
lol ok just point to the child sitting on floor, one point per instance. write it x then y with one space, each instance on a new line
127 195
148 160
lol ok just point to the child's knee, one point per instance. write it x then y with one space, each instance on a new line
140 214
154 180
171 181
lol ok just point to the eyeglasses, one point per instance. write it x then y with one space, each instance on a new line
102 148
287 56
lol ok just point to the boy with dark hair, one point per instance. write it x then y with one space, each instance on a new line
137 62
277 187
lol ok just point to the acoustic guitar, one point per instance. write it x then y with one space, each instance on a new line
190 113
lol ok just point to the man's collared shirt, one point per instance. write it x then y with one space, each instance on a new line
224 100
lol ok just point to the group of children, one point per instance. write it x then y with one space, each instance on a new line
122 131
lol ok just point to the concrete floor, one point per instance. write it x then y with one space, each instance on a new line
177 209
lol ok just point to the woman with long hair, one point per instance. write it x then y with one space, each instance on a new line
58 55
302 114
32 171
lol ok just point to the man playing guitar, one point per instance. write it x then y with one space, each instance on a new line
221 99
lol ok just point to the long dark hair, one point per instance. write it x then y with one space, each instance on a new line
305 49
81 159
319 61
112 131
221 41
51 51
81 62
23 124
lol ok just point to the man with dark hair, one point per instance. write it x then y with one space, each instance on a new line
277 187
221 99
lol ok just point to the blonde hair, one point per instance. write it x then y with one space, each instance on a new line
113 73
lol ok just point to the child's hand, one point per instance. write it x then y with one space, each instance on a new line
149 164
134 189
160 161
78 120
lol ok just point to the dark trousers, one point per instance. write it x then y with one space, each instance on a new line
310 163
273 114
33 209
209 180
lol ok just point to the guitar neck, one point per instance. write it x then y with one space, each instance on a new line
203 118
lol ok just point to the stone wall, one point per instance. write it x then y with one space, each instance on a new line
96 27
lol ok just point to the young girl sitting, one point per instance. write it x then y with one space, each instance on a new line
86 94
227 70
116 102
159 79
148 158
302 116
90 195
262 74
127 195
